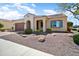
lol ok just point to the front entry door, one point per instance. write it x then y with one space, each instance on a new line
39 25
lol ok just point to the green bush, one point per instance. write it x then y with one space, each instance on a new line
74 29
1 25
48 30
2 29
39 31
76 39
28 31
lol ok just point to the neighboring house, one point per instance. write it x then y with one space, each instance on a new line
56 22
7 23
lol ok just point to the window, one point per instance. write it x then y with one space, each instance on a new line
57 24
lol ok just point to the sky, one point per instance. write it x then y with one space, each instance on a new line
13 11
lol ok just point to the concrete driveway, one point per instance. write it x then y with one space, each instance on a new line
8 48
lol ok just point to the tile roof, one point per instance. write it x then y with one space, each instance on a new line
56 15
52 16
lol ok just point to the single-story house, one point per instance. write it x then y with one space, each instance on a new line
56 22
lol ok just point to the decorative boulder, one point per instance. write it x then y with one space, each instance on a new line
24 35
41 38
70 35
54 34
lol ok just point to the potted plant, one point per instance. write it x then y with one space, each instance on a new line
69 26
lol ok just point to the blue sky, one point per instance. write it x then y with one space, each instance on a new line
12 11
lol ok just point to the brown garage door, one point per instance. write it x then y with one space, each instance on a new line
19 26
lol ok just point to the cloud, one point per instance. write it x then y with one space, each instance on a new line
68 13
4 9
12 15
27 8
7 13
70 17
30 10
33 5
50 12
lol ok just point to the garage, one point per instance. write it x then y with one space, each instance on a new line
19 26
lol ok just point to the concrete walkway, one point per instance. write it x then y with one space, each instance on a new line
8 48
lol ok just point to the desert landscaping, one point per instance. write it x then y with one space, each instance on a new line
58 44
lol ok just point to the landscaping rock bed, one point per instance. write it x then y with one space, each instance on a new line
59 45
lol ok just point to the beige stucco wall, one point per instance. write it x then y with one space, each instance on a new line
8 24
27 18
64 28
32 19
46 23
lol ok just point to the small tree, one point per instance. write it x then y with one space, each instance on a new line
1 25
69 26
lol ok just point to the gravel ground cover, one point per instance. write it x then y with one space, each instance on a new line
58 44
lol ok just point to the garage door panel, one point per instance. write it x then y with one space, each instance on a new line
19 26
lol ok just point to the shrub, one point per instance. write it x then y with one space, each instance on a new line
28 31
41 30
1 25
12 27
74 29
76 39
38 31
48 30
2 29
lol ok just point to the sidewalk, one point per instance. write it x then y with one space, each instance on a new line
8 48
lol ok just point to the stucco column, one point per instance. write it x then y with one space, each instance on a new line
32 25
44 25
25 24
35 25
13 26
